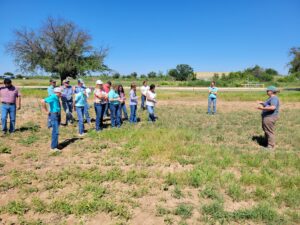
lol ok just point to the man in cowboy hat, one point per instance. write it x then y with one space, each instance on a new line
270 111
67 101
54 114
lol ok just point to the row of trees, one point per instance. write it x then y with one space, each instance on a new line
61 48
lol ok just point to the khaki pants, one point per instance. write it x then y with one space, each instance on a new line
268 126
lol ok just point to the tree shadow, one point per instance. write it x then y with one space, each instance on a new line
67 142
261 140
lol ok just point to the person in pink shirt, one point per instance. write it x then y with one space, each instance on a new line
10 100
106 88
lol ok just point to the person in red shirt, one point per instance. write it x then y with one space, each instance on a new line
106 88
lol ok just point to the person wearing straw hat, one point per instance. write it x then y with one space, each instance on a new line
270 112
54 114
67 101
100 101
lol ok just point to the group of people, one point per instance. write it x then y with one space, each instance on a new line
108 100
111 99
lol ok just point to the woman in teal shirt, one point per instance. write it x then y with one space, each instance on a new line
212 98
114 106
80 102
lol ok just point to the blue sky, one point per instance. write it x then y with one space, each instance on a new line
153 35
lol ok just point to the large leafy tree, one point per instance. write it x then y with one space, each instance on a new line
58 47
295 63
182 72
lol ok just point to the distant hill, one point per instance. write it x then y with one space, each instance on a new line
208 75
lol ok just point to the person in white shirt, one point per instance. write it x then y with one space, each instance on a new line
150 103
100 101
144 90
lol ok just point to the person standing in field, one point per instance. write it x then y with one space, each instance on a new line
150 103
54 114
80 102
270 112
50 89
144 90
106 88
67 101
11 101
122 103
100 101
81 88
114 104
212 98
133 101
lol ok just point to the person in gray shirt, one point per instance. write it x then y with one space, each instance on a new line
270 113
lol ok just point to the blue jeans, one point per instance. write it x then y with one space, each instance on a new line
151 113
124 110
107 106
143 100
133 118
86 113
214 102
99 109
115 115
11 110
68 108
55 122
80 113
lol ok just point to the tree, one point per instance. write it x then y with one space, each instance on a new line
182 72
271 71
58 47
8 74
151 75
116 76
295 63
134 75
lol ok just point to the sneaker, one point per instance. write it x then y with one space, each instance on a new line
55 150
268 148
81 135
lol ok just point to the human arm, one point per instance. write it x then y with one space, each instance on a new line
19 103
44 107
149 98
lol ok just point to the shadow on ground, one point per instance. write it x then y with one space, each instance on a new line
260 140
67 142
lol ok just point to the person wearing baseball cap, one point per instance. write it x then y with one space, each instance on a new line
270 112
67 101
11 101
100 101
54 114
50 89
81 88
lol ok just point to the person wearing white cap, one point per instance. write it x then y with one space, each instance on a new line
54 114
100 101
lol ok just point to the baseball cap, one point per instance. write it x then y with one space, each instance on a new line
66 81
272 88
57 90
51 81
80 81
7 81
99 82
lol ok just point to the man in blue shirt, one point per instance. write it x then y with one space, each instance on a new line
54 114
270 111
50 89
67 101
212 97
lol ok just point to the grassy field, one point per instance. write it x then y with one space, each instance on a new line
188 168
